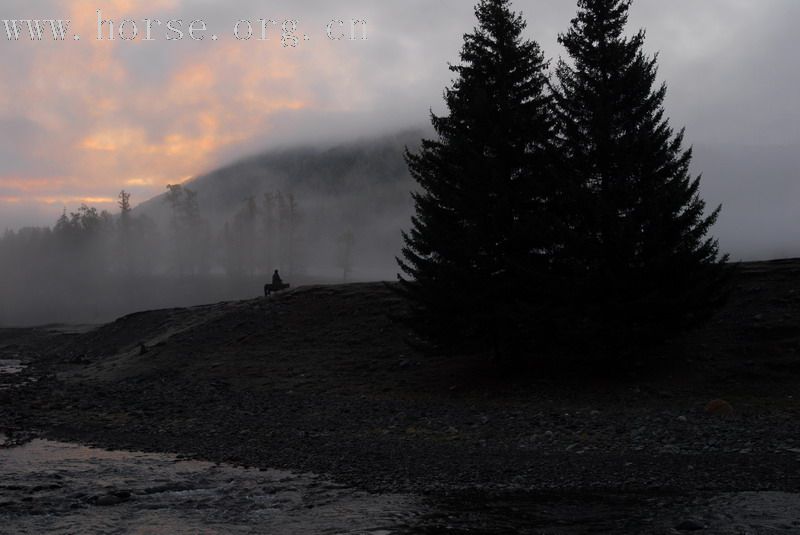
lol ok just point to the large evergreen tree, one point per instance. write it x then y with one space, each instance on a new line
639 254
478 252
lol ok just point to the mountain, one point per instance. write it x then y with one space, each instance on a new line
364 185
361 187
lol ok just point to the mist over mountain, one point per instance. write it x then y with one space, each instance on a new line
319 214
351 201
364 184
362 187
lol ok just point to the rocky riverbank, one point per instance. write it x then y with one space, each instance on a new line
320 380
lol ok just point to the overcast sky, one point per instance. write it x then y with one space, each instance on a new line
80 120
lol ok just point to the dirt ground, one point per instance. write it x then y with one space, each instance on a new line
320 379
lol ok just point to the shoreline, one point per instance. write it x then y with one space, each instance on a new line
319 380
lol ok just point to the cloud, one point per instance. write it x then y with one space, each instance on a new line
83 119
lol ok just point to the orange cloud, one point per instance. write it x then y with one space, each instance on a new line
33 185
140 182
111 123
114 140
62 201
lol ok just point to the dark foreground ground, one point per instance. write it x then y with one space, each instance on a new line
319 379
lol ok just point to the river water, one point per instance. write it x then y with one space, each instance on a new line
51 487
9 368
59 488
65 489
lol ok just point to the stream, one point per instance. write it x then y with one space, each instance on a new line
52 487
63 488
9 369
60 488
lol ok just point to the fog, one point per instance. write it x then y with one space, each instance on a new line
324 124
81 120
318 215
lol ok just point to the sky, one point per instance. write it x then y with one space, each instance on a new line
82 119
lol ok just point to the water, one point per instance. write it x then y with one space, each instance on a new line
52 487
9 368
59 488
742 513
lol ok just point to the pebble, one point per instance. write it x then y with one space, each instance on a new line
690 525
109 500
719 407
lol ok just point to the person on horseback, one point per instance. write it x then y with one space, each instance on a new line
276 286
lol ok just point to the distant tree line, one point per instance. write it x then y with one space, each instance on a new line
557 213
82 245
263 237
91 259
89 242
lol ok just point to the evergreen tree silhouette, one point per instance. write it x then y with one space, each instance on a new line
479 247
125 234
639 252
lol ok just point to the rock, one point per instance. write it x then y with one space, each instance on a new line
719 407
108 500
690 525
683 419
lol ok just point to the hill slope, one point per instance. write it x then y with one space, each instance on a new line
320 379
362 187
